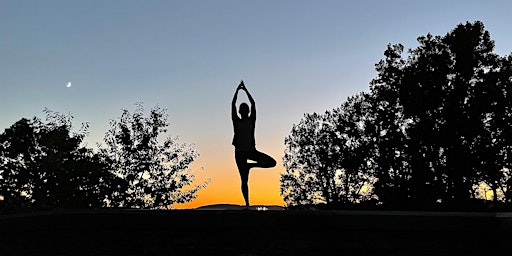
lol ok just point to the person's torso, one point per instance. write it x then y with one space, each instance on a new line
244 134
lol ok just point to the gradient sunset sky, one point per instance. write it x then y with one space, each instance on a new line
188 57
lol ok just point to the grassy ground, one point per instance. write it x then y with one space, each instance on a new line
252 232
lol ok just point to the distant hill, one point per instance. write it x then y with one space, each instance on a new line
240 207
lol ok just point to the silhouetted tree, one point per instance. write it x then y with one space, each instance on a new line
43 165
17 153
158 174
444 96
308 175
324 158
434 126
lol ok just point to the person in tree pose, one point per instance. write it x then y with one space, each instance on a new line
244 141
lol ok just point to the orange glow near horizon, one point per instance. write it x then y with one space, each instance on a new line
216 162
224 186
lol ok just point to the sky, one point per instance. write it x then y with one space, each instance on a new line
188 57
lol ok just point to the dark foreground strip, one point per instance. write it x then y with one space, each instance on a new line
193 232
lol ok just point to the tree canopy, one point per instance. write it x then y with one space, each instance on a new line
432 132
157 173
45 165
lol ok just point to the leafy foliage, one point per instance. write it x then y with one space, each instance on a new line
43 165
157 174
433 128
324 158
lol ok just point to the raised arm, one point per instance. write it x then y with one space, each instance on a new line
234 115
251 99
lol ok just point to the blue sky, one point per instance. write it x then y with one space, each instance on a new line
296 57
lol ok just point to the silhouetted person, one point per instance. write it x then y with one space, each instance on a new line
244 142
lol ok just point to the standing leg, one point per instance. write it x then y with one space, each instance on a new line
244 179
243 169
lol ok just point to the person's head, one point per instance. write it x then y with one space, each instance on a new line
243 110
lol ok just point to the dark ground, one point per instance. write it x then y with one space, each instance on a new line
251 232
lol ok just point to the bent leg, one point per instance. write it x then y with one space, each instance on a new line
261 159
